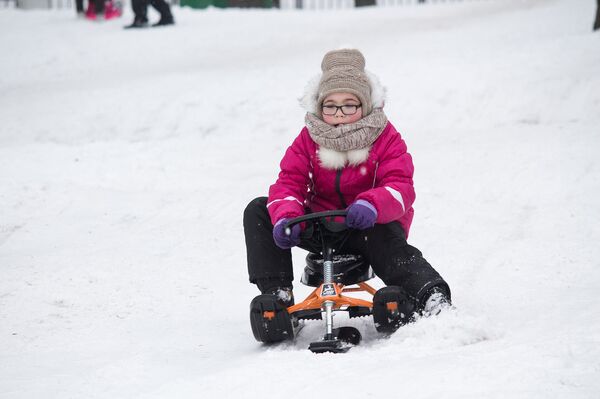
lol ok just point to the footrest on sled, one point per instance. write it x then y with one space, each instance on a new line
270 320
359 311
308 314
340 341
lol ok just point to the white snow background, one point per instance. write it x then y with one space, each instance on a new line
127 158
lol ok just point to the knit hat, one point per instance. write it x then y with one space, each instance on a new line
344 71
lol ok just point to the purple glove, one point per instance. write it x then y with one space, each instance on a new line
286 239
361 215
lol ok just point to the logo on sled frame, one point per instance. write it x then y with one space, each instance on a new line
328 290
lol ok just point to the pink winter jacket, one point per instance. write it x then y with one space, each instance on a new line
385 179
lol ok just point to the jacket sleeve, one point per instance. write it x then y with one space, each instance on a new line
287 196
393 193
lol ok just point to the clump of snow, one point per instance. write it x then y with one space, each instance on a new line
451 329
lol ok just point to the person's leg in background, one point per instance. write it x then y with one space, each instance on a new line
166 17
140 11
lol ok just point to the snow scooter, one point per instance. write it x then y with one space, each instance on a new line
332 274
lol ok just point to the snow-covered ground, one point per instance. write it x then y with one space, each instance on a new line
127 158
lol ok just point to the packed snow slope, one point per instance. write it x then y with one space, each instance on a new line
127 158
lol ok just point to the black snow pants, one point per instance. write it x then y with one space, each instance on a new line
384 247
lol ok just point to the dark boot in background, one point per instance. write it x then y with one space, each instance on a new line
166 17
140 9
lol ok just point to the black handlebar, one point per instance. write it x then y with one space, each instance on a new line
313 216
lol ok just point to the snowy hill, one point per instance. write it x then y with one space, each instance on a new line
127 158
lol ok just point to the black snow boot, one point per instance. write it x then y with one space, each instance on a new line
435 301
285 295
137 23
281 288
164 21
166 17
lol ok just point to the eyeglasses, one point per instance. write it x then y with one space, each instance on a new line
346 109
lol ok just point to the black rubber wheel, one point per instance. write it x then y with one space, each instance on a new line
392 308
270 320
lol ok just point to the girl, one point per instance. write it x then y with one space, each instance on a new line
347 156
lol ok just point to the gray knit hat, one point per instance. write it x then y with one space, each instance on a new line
344 71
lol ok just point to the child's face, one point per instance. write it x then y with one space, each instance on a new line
342 115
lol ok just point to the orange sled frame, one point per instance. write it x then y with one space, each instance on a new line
322 294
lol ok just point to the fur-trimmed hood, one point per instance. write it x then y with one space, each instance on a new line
329 158
308 101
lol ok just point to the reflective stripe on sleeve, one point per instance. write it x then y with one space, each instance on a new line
397 196
290 198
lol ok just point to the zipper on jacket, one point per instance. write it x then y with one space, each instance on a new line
338 178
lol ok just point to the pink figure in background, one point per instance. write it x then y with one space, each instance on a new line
110 9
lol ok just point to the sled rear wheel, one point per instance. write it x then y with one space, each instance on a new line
392 308
270 320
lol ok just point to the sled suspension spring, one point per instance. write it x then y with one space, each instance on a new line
328 272
328 279
328 267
